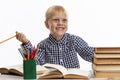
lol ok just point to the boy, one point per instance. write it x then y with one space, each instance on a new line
60 47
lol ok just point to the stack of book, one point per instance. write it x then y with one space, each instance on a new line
106 62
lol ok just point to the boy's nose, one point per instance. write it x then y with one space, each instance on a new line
60 21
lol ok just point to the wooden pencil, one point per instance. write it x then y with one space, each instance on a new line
7 39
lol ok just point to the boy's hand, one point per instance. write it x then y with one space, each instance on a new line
21 37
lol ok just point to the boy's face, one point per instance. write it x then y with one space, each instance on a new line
57 24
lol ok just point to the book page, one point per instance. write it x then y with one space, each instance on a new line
18 67
41 69
62 69
52 73
77 71
4 71
58 71
13 70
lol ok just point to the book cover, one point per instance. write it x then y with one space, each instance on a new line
107 50
105 74
106 67
106 60
105 55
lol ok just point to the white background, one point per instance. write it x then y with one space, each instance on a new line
96 21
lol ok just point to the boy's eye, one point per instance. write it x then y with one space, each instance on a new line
57 20
64 20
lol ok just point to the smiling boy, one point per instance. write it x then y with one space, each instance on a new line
60 47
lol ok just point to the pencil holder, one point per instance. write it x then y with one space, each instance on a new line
29 69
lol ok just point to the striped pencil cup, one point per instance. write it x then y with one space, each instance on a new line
29 69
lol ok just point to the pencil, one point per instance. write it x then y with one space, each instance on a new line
7 39
21 52
34 57
28 55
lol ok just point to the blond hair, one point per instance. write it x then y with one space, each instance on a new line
53 10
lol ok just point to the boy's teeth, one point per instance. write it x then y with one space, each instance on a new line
60 28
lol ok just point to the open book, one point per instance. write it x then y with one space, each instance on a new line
18 70
58 71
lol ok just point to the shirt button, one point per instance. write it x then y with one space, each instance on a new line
61 60
60 48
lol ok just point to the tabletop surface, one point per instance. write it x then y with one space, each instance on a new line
11 77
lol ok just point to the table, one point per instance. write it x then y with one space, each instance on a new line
11 77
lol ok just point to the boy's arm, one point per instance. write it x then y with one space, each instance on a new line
40 56
84 50
26 44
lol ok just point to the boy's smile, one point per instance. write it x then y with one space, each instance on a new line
57 25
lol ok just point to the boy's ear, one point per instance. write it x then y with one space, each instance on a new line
46 24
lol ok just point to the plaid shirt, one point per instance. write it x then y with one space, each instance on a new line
63 52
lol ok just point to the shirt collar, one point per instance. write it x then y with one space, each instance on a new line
63 40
